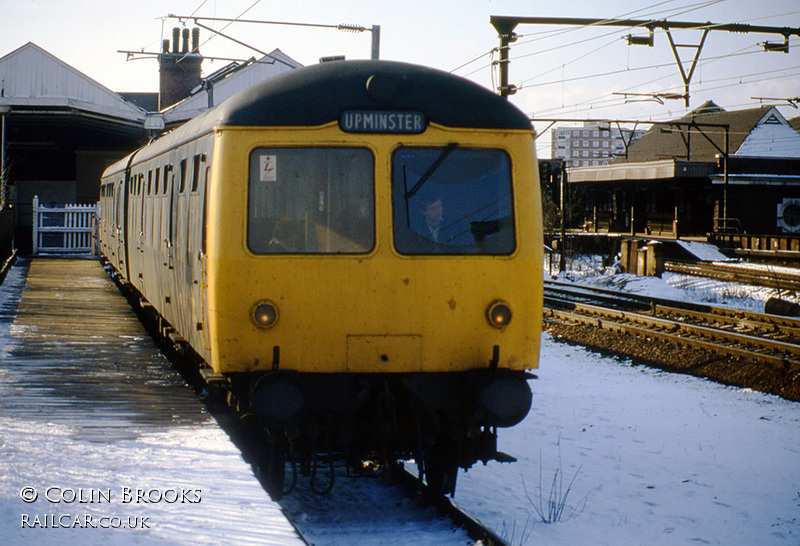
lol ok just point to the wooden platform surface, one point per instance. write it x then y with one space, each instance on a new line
88 404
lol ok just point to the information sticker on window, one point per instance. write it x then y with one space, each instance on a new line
269 168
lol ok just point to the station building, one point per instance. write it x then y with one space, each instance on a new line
62 128
710 173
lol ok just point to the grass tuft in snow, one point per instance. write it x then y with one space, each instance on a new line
551 508
511 534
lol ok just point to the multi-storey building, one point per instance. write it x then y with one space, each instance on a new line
594 144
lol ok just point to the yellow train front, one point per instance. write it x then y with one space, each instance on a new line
369 273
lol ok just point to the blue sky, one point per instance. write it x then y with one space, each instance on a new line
565 72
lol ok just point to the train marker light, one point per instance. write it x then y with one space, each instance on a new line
265 314
499 314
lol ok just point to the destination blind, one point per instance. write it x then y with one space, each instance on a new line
381 121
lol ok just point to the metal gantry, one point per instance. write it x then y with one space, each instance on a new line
505 28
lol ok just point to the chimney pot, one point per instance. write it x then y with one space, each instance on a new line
178 73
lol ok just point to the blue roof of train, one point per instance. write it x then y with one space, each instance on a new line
319 94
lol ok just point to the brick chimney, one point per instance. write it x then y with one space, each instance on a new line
179 69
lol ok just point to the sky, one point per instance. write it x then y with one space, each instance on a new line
563 72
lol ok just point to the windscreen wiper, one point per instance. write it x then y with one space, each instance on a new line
432 169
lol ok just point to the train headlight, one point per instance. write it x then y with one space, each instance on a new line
499 314
264 314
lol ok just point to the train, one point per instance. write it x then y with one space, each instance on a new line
353 251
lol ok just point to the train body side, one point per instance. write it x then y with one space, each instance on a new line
152 230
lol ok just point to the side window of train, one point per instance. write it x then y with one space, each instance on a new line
167 172
311 201
196 160
182 180
452 200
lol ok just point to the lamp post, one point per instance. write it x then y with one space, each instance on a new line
4 109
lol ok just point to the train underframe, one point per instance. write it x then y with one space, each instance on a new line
444 421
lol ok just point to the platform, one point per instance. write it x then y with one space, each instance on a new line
101 442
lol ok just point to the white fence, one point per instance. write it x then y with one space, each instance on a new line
64 228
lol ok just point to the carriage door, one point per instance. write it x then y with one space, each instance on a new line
173 202
121 223
140 199
195 250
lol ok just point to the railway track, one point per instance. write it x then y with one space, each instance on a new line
780 278
335 493
769 339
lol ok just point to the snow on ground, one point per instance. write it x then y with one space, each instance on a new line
103 468
638 456
703 251
656 458
589 271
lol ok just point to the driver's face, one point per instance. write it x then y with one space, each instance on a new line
433 213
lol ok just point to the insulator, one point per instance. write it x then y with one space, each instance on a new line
640 40
775 46
351 28
509 89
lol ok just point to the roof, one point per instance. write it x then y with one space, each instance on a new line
665 169
226 82
664 141
144 100
33 78
51 100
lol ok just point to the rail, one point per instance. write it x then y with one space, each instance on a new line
64 228
770 277
768 339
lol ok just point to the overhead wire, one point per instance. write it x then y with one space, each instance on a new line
539 35
556 32
615 32
612 103
577 28
705 63
203 3
641 13
525 83
597 102
216 32
164 20
476 59
627 70
670 76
